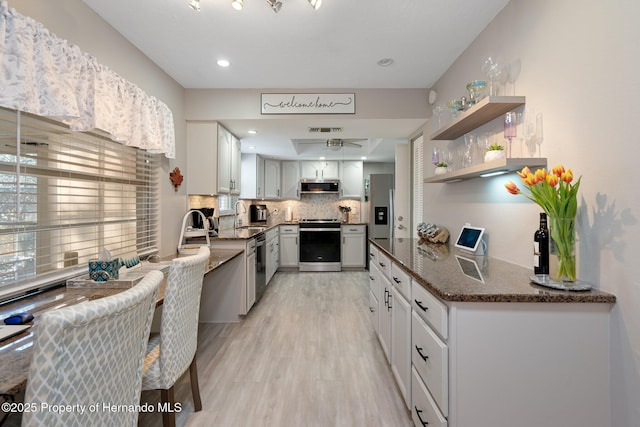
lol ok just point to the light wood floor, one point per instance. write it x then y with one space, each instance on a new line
305 355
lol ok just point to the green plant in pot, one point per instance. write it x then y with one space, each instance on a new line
441 168
495 151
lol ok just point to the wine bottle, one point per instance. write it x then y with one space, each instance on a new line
541 247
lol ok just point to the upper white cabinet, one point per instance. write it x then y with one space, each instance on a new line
252 177
321 169
290 174
351 179
272 179
229 162
213 159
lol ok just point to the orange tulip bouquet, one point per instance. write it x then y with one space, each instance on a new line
556 193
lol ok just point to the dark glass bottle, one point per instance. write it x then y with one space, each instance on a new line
541 247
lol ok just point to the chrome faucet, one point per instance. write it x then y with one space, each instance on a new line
235 209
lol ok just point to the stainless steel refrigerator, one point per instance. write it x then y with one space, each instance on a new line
381 214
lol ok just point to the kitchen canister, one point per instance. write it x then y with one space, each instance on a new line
288 214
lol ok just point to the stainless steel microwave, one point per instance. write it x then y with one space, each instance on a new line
311 186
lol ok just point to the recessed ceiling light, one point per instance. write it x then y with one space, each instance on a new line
223 63
252 131
385 62
237 4
195 5
363 158
322 158
251 147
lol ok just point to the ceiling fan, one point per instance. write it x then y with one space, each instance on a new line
335 143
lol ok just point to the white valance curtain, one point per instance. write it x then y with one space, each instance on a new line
47 76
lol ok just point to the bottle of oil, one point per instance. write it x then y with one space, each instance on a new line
541 247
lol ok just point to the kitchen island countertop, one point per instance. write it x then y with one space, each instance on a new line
438 269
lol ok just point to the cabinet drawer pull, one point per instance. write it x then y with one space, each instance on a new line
371 278
382 264
418 412
419 350
371 309
419 303
386 297
389 305
395 279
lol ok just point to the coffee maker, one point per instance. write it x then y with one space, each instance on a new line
258 213
212 223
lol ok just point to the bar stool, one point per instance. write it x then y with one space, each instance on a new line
91 354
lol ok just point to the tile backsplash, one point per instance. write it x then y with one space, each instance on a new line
309 206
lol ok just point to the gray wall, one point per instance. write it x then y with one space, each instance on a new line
578 63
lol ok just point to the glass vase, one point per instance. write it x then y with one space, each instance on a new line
562 256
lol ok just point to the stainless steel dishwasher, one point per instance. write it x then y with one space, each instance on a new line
261 265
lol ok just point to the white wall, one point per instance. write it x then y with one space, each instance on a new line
579 63
74 21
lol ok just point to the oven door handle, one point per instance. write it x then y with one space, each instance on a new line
337 230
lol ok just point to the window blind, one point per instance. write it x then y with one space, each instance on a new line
64 195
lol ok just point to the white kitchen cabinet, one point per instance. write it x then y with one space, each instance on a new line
251 273
351 179
213 159
385 304
272 245
288 246
354 241
252 177
272 179
424 410
401 343
321 169
229 162
374 302
290 178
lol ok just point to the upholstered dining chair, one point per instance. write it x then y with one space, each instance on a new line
91 353
170 353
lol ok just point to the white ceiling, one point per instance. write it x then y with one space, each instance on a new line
335 47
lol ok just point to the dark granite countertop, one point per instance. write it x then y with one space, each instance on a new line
16 352
439 269
253 229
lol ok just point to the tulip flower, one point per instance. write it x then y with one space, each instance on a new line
556 193
512 188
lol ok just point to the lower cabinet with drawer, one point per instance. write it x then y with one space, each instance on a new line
354 244
492 363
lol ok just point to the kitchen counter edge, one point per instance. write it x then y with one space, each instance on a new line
520 289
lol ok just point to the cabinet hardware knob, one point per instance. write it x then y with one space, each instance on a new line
395 279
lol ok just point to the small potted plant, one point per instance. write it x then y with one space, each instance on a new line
494 152
441 168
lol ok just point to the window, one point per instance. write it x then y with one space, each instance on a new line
66 195
227 203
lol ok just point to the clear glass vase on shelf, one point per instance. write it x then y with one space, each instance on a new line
562 256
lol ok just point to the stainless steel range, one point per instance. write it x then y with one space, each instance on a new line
320 245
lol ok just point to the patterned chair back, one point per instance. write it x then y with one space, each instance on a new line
92 353
180 312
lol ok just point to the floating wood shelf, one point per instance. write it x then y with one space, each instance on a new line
497 167
483 112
